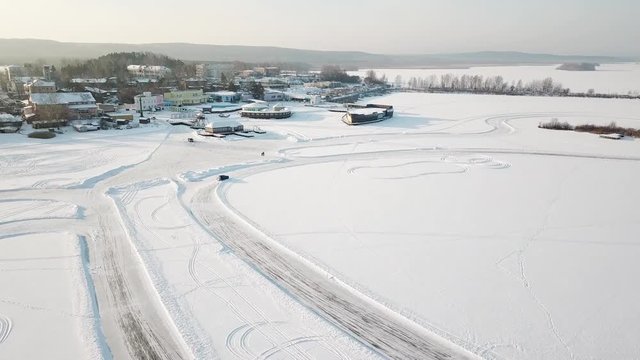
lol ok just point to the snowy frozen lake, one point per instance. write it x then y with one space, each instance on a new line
518 240
458 219
608 79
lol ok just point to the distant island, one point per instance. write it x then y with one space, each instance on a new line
578 66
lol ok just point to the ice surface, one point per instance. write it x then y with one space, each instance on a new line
458 214
608 79
517 239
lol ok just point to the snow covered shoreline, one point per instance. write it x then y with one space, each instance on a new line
608 79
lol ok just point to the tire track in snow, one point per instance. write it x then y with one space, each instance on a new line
234 346
495 122
462 164
519 255
377 328
154 217
31 206
447 151
293 342
458 170
154 213
129 194
124 193
138 328
100 338
92 182
237 340
5 328
239 314
521 261
43 184
30 307
193 262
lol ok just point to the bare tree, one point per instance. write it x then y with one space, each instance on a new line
398 81
52 112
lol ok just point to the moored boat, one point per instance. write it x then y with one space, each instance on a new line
366 114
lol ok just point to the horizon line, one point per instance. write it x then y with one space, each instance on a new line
635 57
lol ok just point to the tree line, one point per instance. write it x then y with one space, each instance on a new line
336 73
612 128
479 84
115 65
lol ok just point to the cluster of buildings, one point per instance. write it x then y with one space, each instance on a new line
20 84
214 71
43 102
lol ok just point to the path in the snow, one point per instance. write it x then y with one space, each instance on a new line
5 328
370 323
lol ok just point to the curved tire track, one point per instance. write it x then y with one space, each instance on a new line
5 328
293 342
372 325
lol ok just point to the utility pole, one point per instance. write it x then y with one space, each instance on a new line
140 101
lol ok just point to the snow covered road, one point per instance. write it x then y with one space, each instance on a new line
368 321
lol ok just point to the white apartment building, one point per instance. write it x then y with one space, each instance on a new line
148 101
148 71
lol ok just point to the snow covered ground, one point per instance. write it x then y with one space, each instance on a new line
45 303
608 79
457 224
197 276
472 221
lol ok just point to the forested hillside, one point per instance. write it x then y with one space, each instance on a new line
115 65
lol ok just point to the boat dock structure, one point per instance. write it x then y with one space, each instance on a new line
365 114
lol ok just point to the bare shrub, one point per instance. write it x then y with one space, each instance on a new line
42 135
555 124
612 128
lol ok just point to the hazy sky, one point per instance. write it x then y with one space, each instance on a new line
587 27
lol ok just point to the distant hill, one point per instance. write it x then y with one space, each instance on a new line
578 66
25 50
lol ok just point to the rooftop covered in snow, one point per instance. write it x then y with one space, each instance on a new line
62 98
